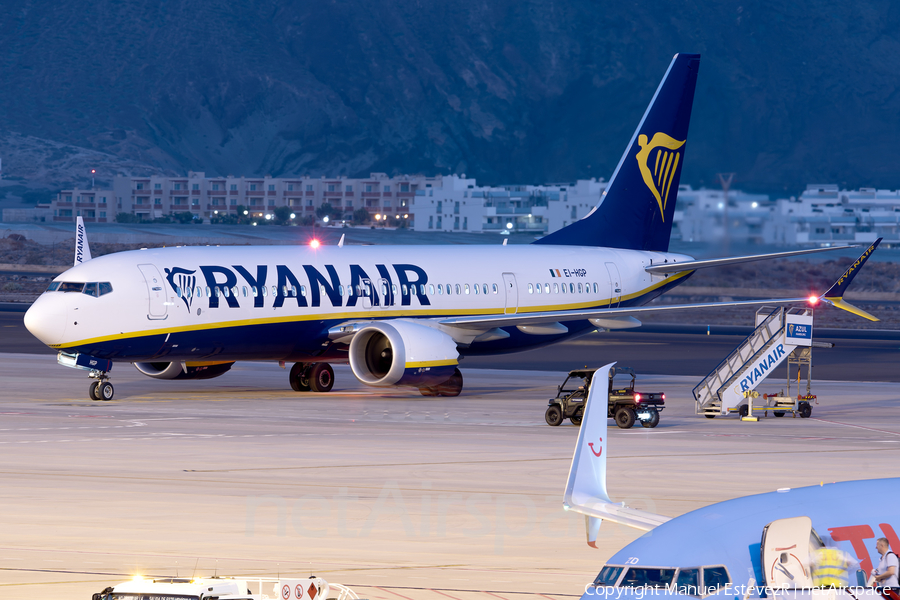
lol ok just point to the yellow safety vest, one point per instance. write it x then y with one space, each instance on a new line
830 568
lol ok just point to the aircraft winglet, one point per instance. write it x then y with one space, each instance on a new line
82 250
835 294
586 488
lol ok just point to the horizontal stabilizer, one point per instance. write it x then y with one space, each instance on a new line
586 488
693 265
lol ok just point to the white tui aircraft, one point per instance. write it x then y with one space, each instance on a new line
400 315
751 547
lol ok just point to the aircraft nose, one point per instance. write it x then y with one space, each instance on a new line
46 319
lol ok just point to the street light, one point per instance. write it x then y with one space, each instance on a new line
325 219
509 226
268 217
293 216
246 212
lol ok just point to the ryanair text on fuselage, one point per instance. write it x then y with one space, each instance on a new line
286 286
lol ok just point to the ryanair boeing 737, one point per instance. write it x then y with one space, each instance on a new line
400 315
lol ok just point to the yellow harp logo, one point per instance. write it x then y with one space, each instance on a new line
665 163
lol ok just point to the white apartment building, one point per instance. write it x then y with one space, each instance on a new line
824 214
455 203
154 197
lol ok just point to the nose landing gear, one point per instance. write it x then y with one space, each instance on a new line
101 389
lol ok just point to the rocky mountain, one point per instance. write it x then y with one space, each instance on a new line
506 91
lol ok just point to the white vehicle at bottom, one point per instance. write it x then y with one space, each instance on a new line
226 588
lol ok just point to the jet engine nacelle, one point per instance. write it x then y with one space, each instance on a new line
400 352
174 370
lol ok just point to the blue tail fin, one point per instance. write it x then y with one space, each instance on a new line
638 206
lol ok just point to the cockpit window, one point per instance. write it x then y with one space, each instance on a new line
686 581
688 578
70 286
609 575
715 577
93 288
648 577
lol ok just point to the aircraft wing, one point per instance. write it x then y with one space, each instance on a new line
693 265
833 297
586 487
486 321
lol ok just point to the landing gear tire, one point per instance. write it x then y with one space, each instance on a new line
106 391
554 415
653 420
577 417
92 391
300 377
321 378
625 418
709 416
744 410
452 387
805 410
778 413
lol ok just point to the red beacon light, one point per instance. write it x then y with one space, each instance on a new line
315 244
637 397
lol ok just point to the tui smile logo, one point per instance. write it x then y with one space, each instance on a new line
184 280
597 453
662 153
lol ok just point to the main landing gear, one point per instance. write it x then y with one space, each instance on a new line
101 389
316 377
450 388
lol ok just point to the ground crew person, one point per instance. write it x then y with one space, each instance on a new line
829 567
886 574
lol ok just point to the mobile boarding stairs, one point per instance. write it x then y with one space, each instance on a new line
781 334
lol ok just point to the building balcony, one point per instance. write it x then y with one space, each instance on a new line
387 194
310 193
271 192
371 194
349 194
332 194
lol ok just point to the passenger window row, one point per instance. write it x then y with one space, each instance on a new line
94 288
360 290
570 288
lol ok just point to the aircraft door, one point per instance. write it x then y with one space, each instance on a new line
615 285
786 544
512 294
157 291
367 290
386 298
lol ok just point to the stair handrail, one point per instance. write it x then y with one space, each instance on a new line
765 323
